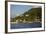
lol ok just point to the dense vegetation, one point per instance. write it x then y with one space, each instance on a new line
34 13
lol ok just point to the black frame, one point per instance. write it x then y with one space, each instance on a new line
6 16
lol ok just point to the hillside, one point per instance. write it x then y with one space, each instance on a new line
30 15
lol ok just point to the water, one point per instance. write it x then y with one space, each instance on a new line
25 25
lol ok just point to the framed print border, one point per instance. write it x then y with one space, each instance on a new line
6 16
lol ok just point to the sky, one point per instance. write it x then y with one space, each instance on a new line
18 9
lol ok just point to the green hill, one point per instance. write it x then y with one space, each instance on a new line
34 13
